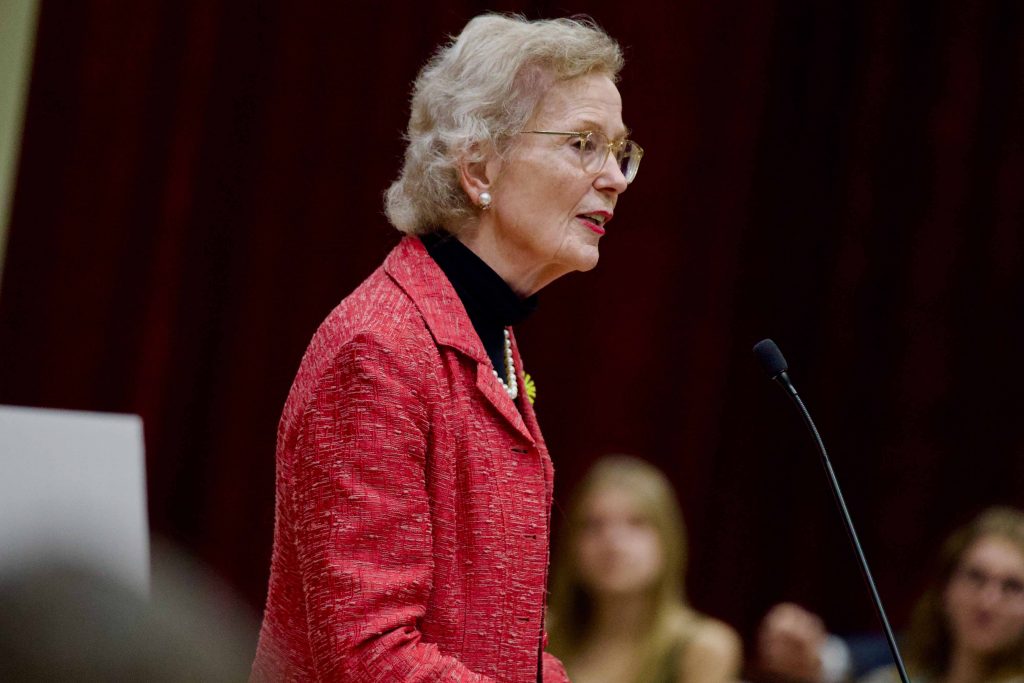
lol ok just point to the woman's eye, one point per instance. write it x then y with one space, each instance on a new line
976 576
583 143
637 522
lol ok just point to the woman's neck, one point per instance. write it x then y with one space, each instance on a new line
620 616
965 667
519 270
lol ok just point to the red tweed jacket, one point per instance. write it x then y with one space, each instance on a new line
413 499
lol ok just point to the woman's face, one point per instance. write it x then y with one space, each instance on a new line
543 216
618 549
985 596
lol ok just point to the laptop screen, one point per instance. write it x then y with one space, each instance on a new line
73 490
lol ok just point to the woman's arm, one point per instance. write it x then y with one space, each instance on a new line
362 521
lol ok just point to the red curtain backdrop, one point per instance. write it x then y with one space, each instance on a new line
201 182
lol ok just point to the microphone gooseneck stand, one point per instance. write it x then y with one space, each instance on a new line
774 365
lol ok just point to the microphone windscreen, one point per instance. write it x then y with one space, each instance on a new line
770 358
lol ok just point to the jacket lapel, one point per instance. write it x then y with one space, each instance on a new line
425 283
529 417
497 397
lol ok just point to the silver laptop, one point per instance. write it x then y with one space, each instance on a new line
73 490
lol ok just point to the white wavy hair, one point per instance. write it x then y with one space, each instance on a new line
473 95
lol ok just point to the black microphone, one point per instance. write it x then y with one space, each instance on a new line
768 354
774 365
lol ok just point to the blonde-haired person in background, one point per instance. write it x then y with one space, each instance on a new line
618 610
413 483
968 627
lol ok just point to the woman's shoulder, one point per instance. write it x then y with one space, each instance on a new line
885 674
712 650
889 674
378 313
377 306
712 636
374 326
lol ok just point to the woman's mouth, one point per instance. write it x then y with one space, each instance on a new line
595 220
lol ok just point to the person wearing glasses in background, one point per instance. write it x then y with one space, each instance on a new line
414 486
968 627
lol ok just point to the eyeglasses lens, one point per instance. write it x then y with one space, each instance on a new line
594 150
629 159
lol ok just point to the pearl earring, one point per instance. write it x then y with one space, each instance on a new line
485 200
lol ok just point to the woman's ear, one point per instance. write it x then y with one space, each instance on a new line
477 176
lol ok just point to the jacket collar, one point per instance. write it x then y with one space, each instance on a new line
425 283
412 268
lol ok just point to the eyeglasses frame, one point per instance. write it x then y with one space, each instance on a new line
612 145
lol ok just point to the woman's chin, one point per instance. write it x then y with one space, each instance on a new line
586 258
622 587
984 643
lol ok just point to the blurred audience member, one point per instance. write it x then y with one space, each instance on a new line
968 627
618 611
793 645
60 622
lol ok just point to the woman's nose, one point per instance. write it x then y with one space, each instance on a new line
991 593
611 176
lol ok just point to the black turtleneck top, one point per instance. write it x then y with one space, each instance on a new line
490 302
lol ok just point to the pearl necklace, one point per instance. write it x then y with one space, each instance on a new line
511 387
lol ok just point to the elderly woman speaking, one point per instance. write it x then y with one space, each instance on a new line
413 484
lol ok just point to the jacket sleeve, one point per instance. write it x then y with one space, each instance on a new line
554 672
362 520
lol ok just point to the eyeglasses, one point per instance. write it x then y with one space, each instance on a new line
594 148
1010 588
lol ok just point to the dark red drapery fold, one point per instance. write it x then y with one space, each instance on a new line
201 182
